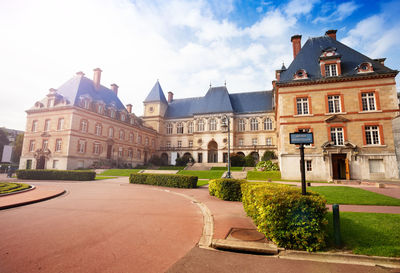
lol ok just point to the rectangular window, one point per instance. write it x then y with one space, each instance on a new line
368 101
153 143
372 135
131 137
241 125
308 165
34 126
96 148
302 106
190 128
337 136
81 146
268 141
254 141
32 146
58 145
98 129
200 125
179 144
376 166
168 144
240 141
169 128
146 141
47 125
330 70
60 124
334 104
45 144
190 143
120 152
139 139
55 164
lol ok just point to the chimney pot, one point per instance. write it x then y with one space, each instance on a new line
96 77
170 97
114 88
331 33
296 43
129 108
80 73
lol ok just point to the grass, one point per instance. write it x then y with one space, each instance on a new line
255 175
374 234
171 168
104 177
119 172
202 182
6 187
203 174
354 196
225 168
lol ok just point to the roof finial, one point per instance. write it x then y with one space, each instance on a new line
210 84
225 83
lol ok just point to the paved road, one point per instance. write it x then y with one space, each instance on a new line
101 226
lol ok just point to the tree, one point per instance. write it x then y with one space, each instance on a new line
268 155
3 141
237 160
17 150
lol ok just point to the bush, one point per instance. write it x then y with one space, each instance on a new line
286 217
56 175
226 189
156 160
184 160
164 180
237 160
249 161
267 166
268 155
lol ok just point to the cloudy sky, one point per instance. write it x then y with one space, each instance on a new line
185 44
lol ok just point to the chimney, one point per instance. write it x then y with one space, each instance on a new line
96 77
170 97
129 108
80 73
331 33
296 42
380 60
114 88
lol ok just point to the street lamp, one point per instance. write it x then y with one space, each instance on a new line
226 124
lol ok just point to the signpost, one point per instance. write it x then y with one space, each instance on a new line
301 138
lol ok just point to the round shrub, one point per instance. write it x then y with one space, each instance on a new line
227 189
268 155
267 166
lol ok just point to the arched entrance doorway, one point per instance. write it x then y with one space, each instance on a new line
164 159
241 154
212 152
256 156
40 163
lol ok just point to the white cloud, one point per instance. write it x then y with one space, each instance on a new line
296 7
340 12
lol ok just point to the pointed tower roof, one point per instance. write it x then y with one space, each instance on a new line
156 94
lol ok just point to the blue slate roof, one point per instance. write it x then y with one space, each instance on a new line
79 86
308 59
156 94
218 100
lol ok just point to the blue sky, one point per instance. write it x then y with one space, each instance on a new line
186 44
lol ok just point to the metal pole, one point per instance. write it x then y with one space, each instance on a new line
336 224
228 175
303 170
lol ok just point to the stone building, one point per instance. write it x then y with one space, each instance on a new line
194 126
84 124
347 100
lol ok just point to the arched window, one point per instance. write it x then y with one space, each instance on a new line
179 128
190 127
84 126
121 134
267 124
98 129
200 125
111 132
241 125
254 124
212 125
169 128
122 117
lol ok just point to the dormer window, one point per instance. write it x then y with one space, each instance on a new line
330 70
122 117
329 62
300 74
365 68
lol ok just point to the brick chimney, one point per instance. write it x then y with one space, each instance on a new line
170 97
380 60
80 73
114 88
96 77
296 43
331 33
129 108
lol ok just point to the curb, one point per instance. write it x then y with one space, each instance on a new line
32 201
32 187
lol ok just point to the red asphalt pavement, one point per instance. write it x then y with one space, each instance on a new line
99 226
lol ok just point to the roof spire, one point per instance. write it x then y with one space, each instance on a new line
225 83
283 66
210 84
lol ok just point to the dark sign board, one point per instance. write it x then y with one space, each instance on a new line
301 138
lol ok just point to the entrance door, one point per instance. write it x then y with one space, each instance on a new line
200 157
109 150
212 152
40 163
339 166
145 157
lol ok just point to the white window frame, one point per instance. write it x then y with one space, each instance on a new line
190 143
268 141
111 132
334 104
308 165
45 144
84 126
372 135
179 143
302 106
253 124
331 70
34 126
190 127
337 136
200 125
368 101
254 141
58 145
32 146
46 125
96 148
179 128
212 126
81 146
169 128
60 124
241 141
121 134
98 129
267 124
241 125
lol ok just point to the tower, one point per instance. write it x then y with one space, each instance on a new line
155 106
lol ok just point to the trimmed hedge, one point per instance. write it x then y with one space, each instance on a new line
56 175
286 217
227 189
164 180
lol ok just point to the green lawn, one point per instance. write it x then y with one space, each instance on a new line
171 168
6 187
226 169
104 177
119 172
374 234
256 175
353 196
203 174
202 182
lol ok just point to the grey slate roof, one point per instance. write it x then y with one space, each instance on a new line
308 59
79 86
218 100
156 94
